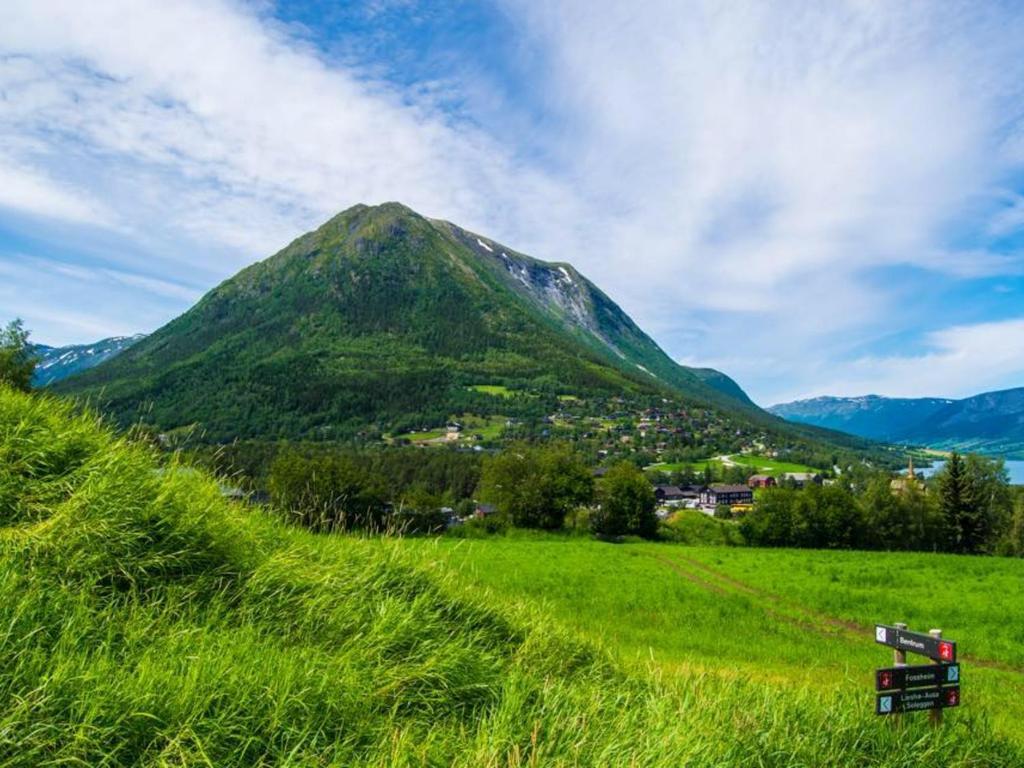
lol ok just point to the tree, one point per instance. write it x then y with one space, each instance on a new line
775 521
908 520
992 512
1012 542
536 486
834 520
956 503
327 493
976 503
17 362
627 504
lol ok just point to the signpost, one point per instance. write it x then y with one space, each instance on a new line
926 687
915 642
896 678
917 700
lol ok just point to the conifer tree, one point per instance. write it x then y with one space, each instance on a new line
956 504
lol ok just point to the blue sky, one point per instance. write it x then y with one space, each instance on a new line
816 198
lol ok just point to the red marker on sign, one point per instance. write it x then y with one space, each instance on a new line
946 651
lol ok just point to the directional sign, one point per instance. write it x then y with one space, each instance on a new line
917 700
916 642
893 678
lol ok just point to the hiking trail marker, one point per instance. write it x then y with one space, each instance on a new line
916 688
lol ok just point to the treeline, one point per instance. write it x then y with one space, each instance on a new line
968 508
540 486
387 489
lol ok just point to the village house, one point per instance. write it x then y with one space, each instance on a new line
671 495
760 481
677 495
728 495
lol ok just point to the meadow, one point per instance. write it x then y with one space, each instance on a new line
146 620
798 619
755 464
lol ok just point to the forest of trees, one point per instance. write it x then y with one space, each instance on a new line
400 489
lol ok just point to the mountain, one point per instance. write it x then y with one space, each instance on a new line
56 363
871 416
378 317
992 422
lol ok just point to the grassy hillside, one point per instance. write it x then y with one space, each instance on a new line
145 620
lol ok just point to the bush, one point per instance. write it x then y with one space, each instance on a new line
688 526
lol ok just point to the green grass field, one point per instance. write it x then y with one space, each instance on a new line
768 465
756 464
496 390
145 620
802 620
488 427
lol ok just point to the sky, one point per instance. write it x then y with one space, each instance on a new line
815 198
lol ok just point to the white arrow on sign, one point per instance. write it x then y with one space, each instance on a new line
879 634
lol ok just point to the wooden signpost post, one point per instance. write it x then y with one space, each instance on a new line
926 687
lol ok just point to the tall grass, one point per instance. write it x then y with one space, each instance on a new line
145 620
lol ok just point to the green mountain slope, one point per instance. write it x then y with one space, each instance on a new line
378 314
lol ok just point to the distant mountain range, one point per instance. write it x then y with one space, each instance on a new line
381 315
56 363
991 423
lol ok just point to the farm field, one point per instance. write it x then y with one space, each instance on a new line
488 427
799 619
756 464
497 390
769 465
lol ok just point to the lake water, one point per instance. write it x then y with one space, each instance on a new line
1015 468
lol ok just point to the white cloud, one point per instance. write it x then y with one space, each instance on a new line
29 191
66 303
959 361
